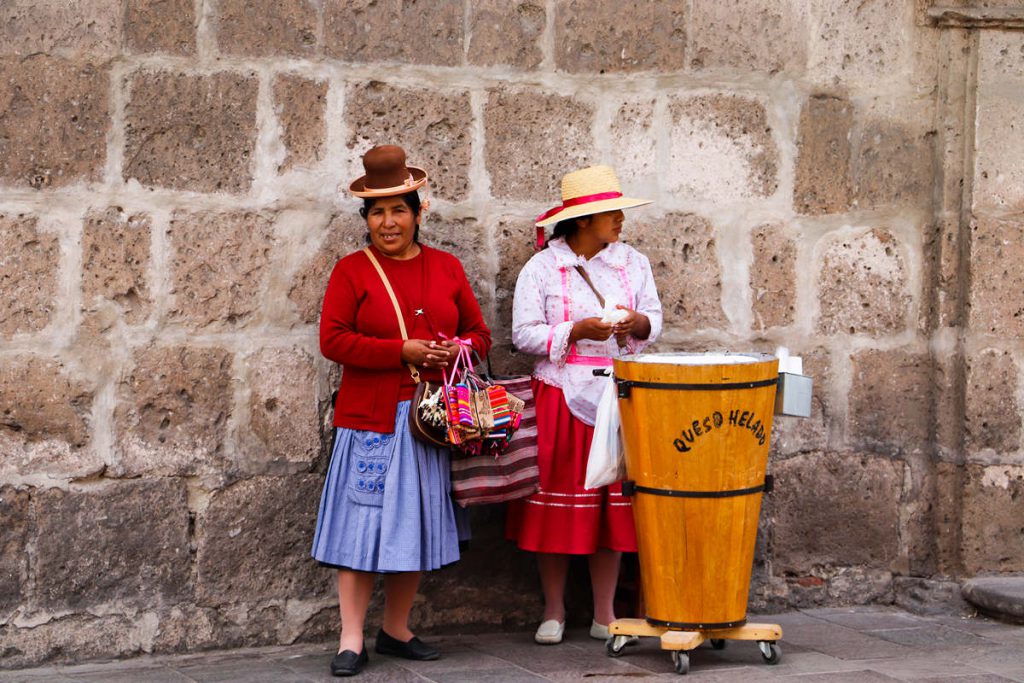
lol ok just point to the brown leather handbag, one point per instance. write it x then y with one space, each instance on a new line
428 419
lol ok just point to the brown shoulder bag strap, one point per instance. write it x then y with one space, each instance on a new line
394 302
582 271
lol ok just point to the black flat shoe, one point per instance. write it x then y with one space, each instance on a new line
414 649
348 663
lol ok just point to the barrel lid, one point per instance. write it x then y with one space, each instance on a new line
708 358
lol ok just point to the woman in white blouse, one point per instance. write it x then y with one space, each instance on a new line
581 301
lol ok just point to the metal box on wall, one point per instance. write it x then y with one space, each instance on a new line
793 396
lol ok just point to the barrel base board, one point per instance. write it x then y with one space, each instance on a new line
686 626
684 640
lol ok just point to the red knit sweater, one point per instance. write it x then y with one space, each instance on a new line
358 328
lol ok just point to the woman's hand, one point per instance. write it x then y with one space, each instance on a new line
590 328
429 354
635 324
442 354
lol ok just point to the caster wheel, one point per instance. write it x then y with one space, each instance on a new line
615 645
681 662
718 643
770 652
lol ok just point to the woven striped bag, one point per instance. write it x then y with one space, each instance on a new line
513 473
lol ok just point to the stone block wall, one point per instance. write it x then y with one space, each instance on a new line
993 323
841 178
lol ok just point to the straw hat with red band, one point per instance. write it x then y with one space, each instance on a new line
584 193
387 174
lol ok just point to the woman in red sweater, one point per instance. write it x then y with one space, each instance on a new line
385 506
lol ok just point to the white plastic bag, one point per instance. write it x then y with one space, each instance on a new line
605 465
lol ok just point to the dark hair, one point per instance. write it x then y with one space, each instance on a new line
411 199
564 229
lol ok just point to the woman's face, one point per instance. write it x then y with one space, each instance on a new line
392 226
606 226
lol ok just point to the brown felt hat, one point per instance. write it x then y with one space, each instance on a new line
387 174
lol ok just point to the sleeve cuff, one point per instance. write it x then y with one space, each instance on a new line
558 342
634 345
394 349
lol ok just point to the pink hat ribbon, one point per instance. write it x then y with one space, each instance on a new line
575 201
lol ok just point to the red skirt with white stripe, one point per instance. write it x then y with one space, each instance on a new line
564 517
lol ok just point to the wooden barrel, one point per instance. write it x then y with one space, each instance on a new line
696 430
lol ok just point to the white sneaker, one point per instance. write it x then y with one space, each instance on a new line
550 632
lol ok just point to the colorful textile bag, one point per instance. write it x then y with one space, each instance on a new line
482 416
498 476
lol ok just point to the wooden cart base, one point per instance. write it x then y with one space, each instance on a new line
680 642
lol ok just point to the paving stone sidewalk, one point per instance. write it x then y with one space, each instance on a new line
835 645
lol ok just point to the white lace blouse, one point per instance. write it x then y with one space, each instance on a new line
551 295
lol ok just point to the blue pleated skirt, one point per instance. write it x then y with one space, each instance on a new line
386 504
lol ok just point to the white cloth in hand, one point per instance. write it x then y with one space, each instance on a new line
611 314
